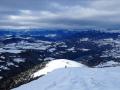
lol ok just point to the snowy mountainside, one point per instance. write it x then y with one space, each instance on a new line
56 64
77 79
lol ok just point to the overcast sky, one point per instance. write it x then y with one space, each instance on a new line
59 13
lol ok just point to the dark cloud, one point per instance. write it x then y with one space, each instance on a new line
59 13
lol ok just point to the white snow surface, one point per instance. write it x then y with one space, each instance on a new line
77 79
109 64
56 64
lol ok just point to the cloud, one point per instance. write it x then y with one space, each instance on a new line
59 14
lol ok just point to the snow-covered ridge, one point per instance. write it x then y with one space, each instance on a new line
77 79
56 64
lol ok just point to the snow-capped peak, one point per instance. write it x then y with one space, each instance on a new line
56 64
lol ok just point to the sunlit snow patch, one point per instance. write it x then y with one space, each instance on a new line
56 64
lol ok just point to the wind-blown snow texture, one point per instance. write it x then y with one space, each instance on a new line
77 78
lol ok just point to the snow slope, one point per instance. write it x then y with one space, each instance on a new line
56 64
77 79
108 64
